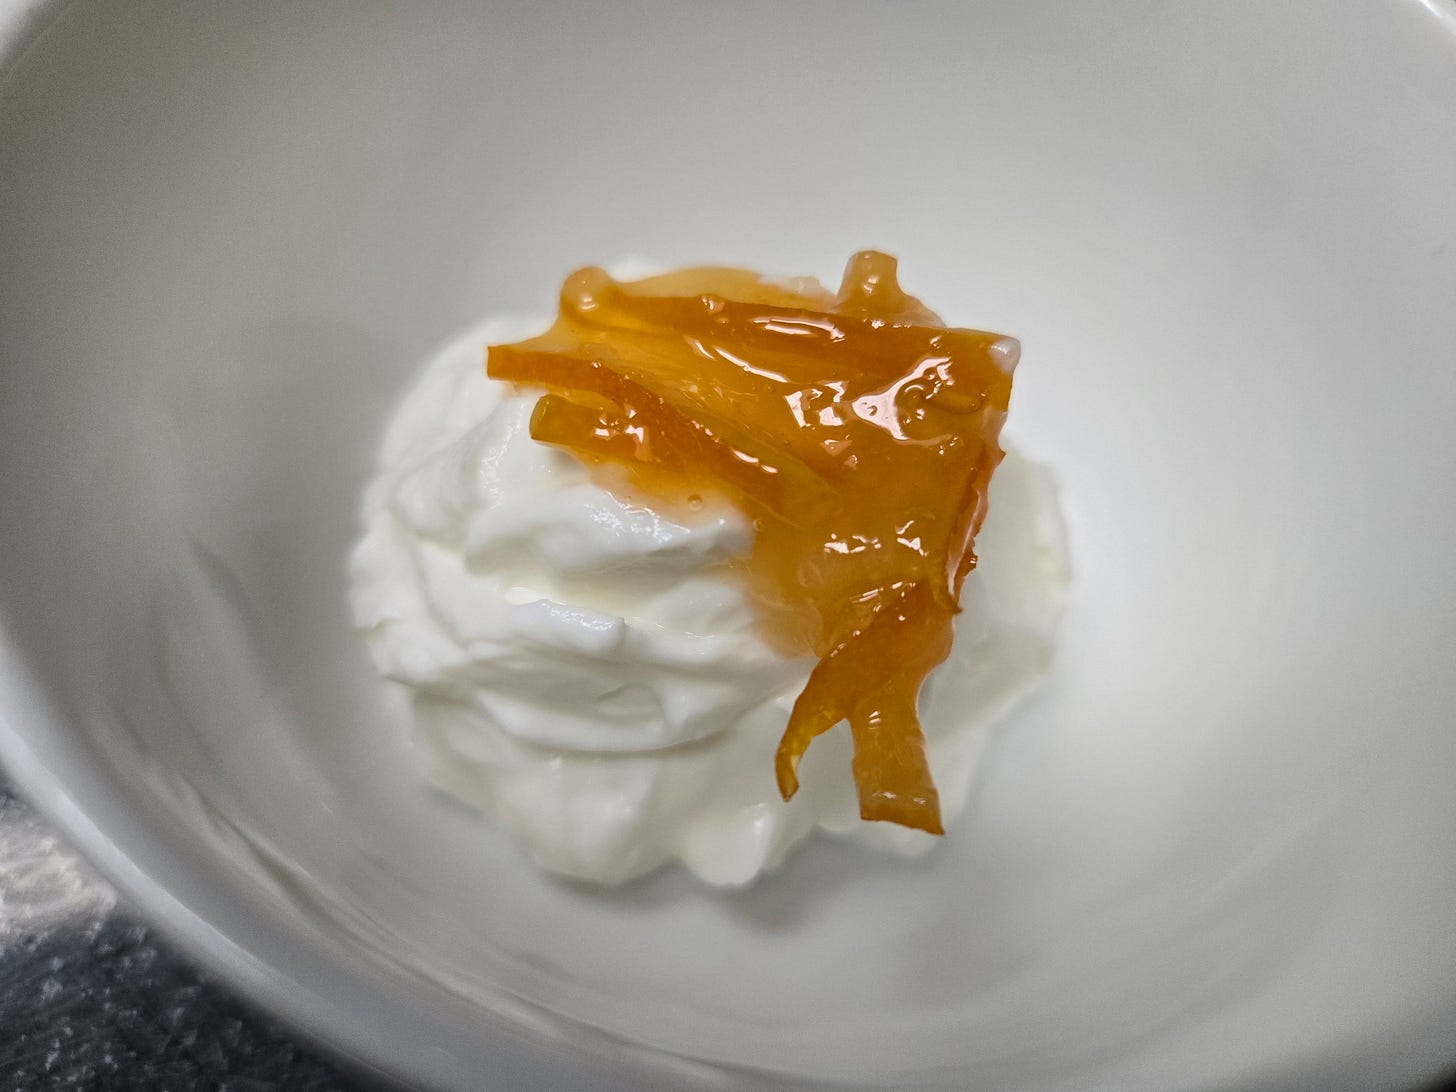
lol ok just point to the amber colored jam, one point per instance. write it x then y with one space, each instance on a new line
856 431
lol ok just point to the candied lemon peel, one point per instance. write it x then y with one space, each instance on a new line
856 430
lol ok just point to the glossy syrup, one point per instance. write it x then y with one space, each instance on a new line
855 430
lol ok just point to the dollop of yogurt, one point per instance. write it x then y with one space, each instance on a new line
588 671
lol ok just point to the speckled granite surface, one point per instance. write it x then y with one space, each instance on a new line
91 999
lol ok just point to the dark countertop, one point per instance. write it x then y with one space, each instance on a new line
90 998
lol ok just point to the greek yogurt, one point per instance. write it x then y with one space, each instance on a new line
588 672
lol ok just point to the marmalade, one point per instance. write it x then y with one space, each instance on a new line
856 431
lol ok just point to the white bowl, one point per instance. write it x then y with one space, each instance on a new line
1217 851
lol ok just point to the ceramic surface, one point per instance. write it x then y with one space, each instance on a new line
1214 853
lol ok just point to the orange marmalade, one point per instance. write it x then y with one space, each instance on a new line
856 430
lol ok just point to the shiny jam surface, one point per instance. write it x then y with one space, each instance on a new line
856 431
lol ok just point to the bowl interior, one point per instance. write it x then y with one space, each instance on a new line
1226 237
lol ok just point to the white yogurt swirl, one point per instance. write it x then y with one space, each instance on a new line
586 670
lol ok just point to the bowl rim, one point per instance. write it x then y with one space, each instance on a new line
334 1004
